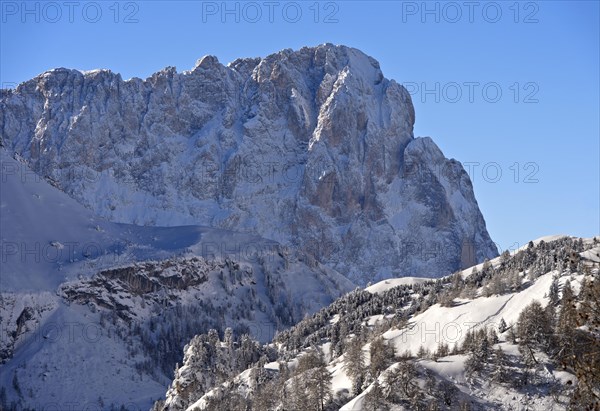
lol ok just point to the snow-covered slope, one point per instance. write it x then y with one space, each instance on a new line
395 282
48 238
450 324
311 148
107 307
457 343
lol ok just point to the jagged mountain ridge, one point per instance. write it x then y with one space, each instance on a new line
311 148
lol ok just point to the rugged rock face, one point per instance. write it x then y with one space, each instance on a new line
312 148
96 304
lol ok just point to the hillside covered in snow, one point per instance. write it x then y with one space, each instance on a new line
519 332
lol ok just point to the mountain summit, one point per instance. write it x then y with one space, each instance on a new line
311 148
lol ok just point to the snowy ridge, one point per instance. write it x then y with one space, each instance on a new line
395 282
435 328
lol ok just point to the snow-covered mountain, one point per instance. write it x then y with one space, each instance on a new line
312 148
518 332
95 314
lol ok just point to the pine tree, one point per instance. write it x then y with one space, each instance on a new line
587 361
553 292
472 364
499 366
442 351
515 281
502 326
374 400
400 381
534 328
260 373
381 353
308 361
446 392
457 281
495 286
265 397
512 334
355 364
422 352
478 357
299 398
469 343
492 336
566 327
318 385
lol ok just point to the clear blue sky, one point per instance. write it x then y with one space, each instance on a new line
548 51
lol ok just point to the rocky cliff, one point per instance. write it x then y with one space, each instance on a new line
312 148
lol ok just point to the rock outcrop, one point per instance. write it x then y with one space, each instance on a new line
312 148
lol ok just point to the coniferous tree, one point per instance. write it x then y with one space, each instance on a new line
566 325
318 385
442 351
374 400
553 292
308 361
265 397
515 281
587 361
479 354
512 334
400 381
299 398
381 353
502 326
355 364
422 352
446 393
500 373
492 336
534 328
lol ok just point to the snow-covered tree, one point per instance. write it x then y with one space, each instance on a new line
587 360
502 326
553 292
566 328
442 350
534 328
381 355
500 372
446 393
374 400
318 385
400 381
355 364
